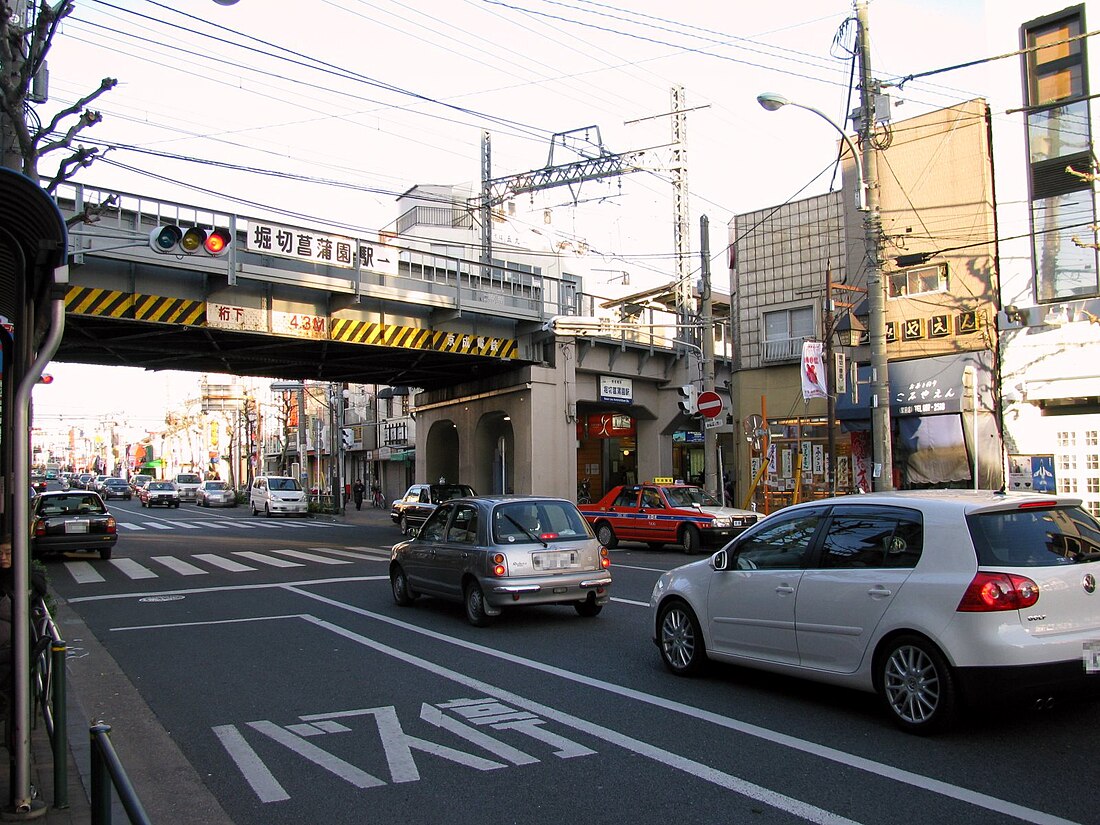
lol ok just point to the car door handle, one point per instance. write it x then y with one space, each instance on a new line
784 589
879 592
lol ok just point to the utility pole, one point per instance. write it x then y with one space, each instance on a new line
881 439
711 471
681 218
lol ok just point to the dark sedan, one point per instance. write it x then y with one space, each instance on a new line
117 488
71 520
412 509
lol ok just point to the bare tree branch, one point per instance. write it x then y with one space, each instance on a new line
92 211
80 159
105 85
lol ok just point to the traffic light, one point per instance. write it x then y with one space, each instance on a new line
45 378
347 436
192 240
689 399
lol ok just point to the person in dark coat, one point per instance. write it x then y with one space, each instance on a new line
357 492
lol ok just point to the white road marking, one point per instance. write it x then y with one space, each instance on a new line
157 525
129 526
268 560
333 764
83 572
299 554
255 772
180 566
629 601
223 563
835 755
186 525
364 555
132 569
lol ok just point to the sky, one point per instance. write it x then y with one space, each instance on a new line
319 113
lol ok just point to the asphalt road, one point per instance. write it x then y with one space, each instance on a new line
261 674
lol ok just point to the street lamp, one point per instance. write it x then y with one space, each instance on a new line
867 203
774 102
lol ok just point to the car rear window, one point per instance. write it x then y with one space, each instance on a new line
184 478
1035 537
70 505
532 522
445 492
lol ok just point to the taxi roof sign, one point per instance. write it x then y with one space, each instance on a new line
663 480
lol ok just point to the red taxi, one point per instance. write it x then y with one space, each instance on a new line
662 512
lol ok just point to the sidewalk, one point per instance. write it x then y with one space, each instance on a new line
97 688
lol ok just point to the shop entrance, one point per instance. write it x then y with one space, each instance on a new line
607 453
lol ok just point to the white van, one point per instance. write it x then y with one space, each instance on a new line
188 484
277 495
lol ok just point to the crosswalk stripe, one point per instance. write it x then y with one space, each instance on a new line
364 553
223 563
186 525
262 559
180 566
132 569
156 525
83 572
213 525
129 526
298 554
267 524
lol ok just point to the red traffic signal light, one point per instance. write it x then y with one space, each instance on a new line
190 241
45 378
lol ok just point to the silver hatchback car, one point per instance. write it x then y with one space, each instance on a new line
491 553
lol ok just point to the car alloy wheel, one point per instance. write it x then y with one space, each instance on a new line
689 538
680 639
917 685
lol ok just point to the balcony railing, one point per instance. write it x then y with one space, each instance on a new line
783 349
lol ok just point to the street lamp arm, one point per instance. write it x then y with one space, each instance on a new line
773 102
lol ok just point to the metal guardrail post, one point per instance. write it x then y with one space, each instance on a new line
108 770
101 778
60 738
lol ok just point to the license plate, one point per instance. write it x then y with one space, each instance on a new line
554 561
1091 656
76 527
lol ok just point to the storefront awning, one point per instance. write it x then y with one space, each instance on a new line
923 386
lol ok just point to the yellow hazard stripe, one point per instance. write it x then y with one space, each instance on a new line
393 335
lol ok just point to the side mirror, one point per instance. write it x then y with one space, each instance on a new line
720 560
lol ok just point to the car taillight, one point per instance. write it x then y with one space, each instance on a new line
39 527
111 528
499 567
989 592
605 559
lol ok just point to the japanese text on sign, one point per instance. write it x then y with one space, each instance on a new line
302 245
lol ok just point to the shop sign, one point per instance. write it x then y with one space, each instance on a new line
616 390
687 437
608 425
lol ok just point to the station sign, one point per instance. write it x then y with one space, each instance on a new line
321 248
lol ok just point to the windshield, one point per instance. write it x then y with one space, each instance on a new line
285 484
689 497
184 478
116 482
160 485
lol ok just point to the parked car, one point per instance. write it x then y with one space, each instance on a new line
933 599
491 553
69 521
277 495
160 492
216 494
420 500
662 512
188 485
116 488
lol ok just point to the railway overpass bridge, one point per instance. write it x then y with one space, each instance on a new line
508 403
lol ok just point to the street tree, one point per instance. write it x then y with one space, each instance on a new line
27 31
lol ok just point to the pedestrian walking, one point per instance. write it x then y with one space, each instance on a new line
357 492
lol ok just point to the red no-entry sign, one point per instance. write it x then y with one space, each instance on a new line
709 404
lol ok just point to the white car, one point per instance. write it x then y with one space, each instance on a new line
277 495
932 599
188 484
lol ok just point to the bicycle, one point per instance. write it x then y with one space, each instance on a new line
584 492
377 500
